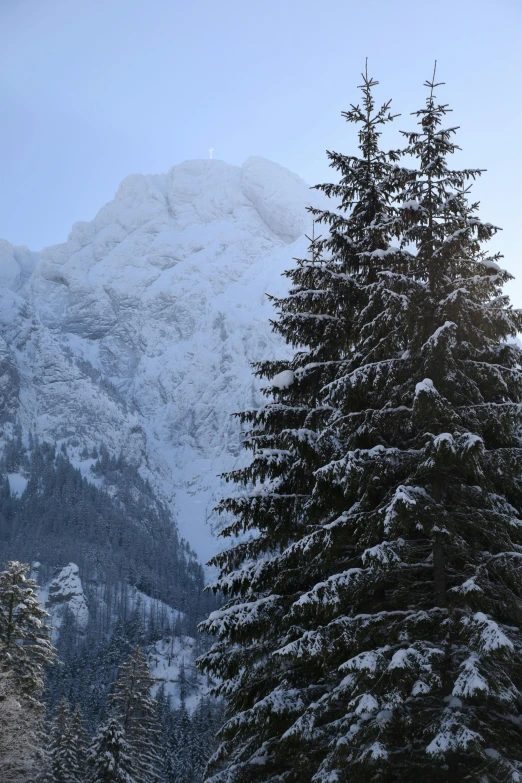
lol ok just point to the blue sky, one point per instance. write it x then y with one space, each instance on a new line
94 90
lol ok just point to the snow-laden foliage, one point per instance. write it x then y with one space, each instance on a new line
21 753
25 652
110 757
188 740
372 629
25 638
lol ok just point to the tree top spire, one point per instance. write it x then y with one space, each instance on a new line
432 84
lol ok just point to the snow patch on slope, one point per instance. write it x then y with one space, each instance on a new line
17 483
172 663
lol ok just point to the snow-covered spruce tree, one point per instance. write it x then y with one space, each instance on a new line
378 640
25 639
434 506
417 618
25 649
335 296
21 754
137 711
110 758
64 762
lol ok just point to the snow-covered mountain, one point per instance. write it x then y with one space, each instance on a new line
139 331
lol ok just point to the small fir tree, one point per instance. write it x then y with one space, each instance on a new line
21 748
137 712
206 720
166 721
80 740
110 757
64 761
182 767
25 649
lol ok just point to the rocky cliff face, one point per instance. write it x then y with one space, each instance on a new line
139 330
49 389
64 591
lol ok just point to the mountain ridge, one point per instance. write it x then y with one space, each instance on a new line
161 297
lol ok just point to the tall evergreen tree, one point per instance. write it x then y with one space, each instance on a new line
137 712
25 639
334 295
377 638
25 649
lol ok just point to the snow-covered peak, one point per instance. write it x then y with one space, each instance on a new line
203 216
204 191
210 190
164 295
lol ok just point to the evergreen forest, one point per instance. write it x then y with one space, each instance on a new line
118 534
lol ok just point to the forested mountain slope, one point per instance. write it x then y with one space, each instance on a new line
114 575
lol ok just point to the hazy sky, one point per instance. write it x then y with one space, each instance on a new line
93 90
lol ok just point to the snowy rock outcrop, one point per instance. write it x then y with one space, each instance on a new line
65 591
49 390
163 296
171 660
16 265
